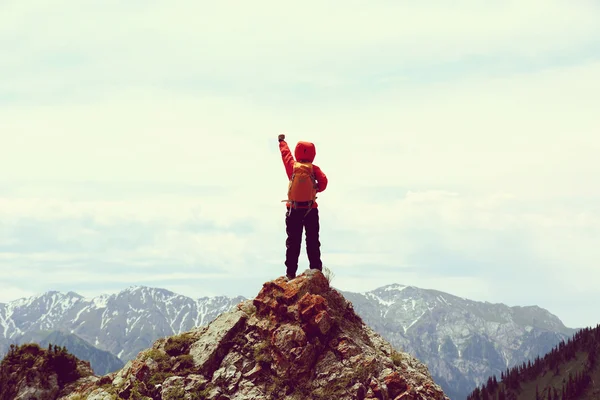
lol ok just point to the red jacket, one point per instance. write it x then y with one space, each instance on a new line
304 151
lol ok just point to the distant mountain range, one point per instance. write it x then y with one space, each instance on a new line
463 342
123 323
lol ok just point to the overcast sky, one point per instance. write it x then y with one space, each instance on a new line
461 140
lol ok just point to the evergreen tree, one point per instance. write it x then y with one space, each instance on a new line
484 394
501 394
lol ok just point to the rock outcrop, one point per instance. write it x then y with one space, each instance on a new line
30 372
297 339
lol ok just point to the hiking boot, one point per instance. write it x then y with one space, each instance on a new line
290 276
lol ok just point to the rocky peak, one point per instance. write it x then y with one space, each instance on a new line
298 339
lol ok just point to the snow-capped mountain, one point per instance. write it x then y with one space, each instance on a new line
463 342
122 323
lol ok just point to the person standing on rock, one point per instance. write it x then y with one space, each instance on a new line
305 181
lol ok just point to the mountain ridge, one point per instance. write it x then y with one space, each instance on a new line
557 323
127 313
100 300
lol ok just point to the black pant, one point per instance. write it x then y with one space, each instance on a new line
294 223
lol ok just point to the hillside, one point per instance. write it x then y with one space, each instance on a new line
29 372
102 362
569 372
460 340
296 340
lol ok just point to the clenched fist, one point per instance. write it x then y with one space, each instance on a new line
281 137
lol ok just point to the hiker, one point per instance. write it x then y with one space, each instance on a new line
305 181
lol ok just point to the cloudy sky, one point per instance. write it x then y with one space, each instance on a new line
139 145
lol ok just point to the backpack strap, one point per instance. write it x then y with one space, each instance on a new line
309 207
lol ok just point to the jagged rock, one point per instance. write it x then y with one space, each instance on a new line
100 394
97 394
395 383
229 375
86 383
212 346
181 388
296 340
121 376
173 388
34 389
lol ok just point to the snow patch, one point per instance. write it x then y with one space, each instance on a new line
78 314
379 300
415 321
395 287
100 301
183 319
130 325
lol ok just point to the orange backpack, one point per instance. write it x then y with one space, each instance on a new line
302 188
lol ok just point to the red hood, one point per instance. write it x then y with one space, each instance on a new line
305 151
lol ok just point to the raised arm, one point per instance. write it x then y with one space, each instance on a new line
286 156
